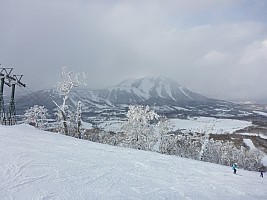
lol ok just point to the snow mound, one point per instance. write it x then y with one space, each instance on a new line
41 165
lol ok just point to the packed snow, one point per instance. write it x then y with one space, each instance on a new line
42 165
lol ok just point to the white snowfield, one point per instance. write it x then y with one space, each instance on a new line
198 124
210 124
41 166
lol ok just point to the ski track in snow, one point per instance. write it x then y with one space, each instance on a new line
48 166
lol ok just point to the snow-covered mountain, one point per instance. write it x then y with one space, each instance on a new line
72 169
151 91
164 95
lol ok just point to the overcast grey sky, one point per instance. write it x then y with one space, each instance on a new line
217 48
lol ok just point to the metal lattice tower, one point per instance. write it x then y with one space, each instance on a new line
2 109
10 80
11 115
4 75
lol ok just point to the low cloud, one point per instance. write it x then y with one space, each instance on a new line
215 48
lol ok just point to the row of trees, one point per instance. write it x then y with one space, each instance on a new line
197 146
144 130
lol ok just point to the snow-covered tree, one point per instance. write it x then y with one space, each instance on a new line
226 153
139 129
212 151
164 126
168 144
205 139
78 119
36 116
220 152
68 81
75 122
250 159
182 144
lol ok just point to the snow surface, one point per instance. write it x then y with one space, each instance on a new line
146 85
261 113
249 143
199 124
41 165
111 125
181 108
210 124
256 134
182 90
169 91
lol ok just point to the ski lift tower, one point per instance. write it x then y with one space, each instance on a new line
2 110
11 115
4 74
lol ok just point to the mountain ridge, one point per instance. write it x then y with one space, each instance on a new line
166 96
151 90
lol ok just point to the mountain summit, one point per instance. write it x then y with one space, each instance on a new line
151 91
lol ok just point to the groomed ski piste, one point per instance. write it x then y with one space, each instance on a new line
41 165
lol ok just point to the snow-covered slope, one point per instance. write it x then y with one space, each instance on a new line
41 165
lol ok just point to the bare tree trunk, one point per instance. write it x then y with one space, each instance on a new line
78 118
65 125
64 122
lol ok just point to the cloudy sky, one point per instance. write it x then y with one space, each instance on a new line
217 48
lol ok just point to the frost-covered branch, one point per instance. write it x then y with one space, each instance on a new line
68 81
